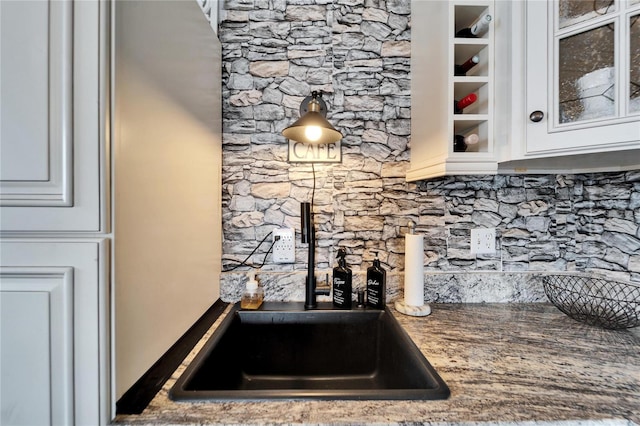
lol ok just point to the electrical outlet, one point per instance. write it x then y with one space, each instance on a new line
483 241
284 245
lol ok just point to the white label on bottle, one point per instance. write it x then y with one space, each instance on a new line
373 291
481 26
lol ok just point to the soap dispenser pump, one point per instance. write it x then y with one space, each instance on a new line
342 282
376 285
253 294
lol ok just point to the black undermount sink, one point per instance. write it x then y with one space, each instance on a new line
283 351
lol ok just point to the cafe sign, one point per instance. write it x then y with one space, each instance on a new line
300 152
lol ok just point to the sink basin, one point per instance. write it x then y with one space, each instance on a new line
283 351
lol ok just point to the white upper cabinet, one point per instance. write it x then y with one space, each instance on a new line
50 170
582 78
446 140
558 86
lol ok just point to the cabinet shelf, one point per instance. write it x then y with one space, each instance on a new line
471 43
462 122
470 83
465 85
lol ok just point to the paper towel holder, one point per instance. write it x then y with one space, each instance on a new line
400 305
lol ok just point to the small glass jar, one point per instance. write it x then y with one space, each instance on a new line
253 295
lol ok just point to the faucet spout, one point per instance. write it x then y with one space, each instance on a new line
308 235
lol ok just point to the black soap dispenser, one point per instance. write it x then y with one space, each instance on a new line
342 282
376 285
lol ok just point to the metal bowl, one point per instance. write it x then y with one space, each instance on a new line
594 300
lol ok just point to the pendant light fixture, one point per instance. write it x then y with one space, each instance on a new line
312 127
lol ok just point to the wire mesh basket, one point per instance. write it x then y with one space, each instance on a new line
596 301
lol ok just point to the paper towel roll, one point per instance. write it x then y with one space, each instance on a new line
413 270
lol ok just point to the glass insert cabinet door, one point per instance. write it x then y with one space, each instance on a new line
634 61
590 78
589 51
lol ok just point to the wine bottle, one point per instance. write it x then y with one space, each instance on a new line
466 65
458 106
461 143
477 29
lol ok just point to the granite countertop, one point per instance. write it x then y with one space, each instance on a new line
504 363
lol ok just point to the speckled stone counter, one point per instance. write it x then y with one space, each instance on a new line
504 363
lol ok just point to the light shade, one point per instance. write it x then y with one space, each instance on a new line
312 127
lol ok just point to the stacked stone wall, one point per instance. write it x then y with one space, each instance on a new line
275 52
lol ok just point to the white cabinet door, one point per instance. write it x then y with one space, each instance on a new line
36 351
582 77
49 116
53 337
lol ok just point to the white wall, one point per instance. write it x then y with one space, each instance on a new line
167 183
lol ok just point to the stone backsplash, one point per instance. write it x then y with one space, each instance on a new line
439 287
275 52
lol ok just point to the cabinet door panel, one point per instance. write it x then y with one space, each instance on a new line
51 131
35 123
574 11
36 351
55 295
587 75
634 61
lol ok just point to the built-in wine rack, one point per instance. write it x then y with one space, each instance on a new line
475 119
436 50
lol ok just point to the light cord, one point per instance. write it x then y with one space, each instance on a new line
244 262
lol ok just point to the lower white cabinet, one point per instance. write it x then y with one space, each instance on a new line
53 332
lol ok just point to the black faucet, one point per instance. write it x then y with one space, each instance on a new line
308 235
